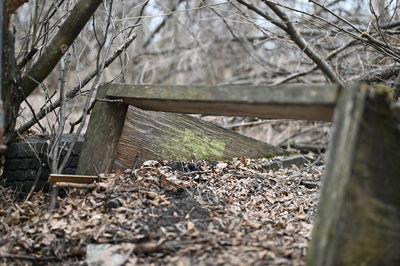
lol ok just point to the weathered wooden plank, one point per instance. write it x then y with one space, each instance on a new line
358 221
74 185
86 179
179 137
102 136
307 102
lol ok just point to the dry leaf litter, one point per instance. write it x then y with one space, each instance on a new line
239 212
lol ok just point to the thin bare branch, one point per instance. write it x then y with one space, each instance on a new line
330 56
65 36
303 45
74 91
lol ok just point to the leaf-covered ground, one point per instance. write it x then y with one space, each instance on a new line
240 212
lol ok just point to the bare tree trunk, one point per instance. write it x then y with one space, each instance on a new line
17 88
11 92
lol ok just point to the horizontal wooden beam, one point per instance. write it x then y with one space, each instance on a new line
84 179
74 185
304 102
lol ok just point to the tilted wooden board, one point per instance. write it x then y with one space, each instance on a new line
306 102
179 137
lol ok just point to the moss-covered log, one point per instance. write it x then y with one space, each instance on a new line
358 221
295 101
179 137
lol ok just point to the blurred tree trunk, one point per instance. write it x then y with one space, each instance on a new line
11 74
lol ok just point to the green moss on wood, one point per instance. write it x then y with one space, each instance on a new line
193 145
169 136
380 89
270 155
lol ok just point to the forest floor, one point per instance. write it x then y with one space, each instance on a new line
239 212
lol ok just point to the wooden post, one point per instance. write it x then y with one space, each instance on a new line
358 220
102 136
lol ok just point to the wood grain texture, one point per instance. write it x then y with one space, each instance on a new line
86 179
179 137
307 102
358 220
74 185
103 133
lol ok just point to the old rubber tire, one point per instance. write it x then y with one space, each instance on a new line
22 166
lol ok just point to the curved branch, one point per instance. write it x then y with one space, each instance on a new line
64 38
378 75
298 39
306 72
263 14
295 35
72 93
160 26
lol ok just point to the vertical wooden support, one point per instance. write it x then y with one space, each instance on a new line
358 220
103 133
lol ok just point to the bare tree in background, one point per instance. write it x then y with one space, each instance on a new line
61 47
268 42
64 49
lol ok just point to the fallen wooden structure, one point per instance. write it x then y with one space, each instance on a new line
358 218
117 137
